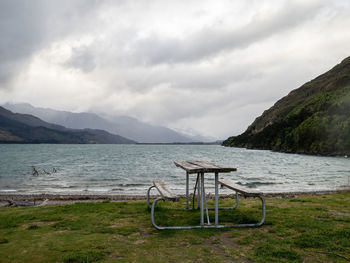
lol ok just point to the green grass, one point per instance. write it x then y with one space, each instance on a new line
305 229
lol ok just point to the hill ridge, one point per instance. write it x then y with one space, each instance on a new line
26 128
125 126
312 119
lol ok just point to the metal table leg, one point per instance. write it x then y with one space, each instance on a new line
194 192
202 200
198 190
187 186
206 207
216 199
148 193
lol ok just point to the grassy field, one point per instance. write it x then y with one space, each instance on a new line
303 229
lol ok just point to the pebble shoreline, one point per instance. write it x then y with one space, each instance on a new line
74 198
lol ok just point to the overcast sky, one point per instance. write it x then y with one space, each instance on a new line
204 67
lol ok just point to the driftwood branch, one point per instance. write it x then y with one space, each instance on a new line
21 203
36 172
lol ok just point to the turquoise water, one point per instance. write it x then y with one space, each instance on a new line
129 169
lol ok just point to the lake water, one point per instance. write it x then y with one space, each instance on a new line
129 169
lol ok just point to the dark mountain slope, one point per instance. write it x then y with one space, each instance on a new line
313 119
121 125
23 128
29 120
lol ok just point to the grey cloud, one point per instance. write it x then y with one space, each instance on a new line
28 26
188 77
212 41
82 59
215 73
235 102
21 34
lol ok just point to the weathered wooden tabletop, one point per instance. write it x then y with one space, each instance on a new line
203 167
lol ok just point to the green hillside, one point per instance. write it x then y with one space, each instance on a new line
313 119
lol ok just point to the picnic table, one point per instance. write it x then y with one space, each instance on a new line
201 168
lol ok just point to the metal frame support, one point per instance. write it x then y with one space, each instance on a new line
236 204
194 193
206 206
206 226
262 219
187 189
216 199
227 208
148 193
170 227
198 190
202 199
202 204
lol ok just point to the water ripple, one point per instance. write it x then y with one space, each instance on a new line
130 169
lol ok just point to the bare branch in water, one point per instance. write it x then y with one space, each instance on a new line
37 172
46 172
34 171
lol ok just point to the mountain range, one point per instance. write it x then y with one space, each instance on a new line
25 128
128 127
313 119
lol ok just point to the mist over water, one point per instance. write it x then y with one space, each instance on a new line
130 169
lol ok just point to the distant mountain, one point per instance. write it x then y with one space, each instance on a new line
24 128
313 119
121 125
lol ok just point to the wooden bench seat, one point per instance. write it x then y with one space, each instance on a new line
164 190
238 188
166 194
246 192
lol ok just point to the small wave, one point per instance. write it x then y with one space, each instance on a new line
130 185
8 190
255 184
96 190
117 189
104 179
53 186
66 186
254 179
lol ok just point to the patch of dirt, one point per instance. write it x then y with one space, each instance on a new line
340 214
138 242
45 223
222 244
228 242
240 260
61 231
